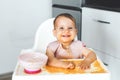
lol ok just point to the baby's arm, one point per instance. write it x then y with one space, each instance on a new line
53 61
90 57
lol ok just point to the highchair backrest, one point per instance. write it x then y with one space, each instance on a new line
44 36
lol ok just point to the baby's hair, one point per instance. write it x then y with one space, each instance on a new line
67 15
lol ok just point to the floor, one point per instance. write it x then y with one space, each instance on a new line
7 76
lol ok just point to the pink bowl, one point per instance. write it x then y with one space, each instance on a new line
32 61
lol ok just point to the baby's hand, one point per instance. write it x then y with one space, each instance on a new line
84 65
70 65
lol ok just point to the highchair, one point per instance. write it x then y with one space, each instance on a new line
44 36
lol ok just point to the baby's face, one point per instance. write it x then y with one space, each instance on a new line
65 30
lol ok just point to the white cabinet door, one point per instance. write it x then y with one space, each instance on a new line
100 30
114 67
112 63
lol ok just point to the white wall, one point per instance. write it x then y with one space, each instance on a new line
19 20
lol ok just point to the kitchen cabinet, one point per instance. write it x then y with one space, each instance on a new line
112 63
100 31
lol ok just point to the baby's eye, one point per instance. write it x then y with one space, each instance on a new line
70 28
61 28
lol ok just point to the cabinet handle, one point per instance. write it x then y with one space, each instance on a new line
105 64
100 21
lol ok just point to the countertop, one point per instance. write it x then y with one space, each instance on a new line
115 9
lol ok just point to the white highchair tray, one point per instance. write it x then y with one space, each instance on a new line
47 74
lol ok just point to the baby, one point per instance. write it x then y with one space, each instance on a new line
65 47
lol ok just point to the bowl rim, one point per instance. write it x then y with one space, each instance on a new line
44 58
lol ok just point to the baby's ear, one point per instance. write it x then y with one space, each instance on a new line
54 32
76 31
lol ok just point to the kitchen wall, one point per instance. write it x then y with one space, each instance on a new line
19 20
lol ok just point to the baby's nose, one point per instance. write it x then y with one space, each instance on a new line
66 30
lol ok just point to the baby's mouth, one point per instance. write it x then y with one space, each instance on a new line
65 35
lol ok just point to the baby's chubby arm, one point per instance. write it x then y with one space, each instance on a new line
53 61
90 57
